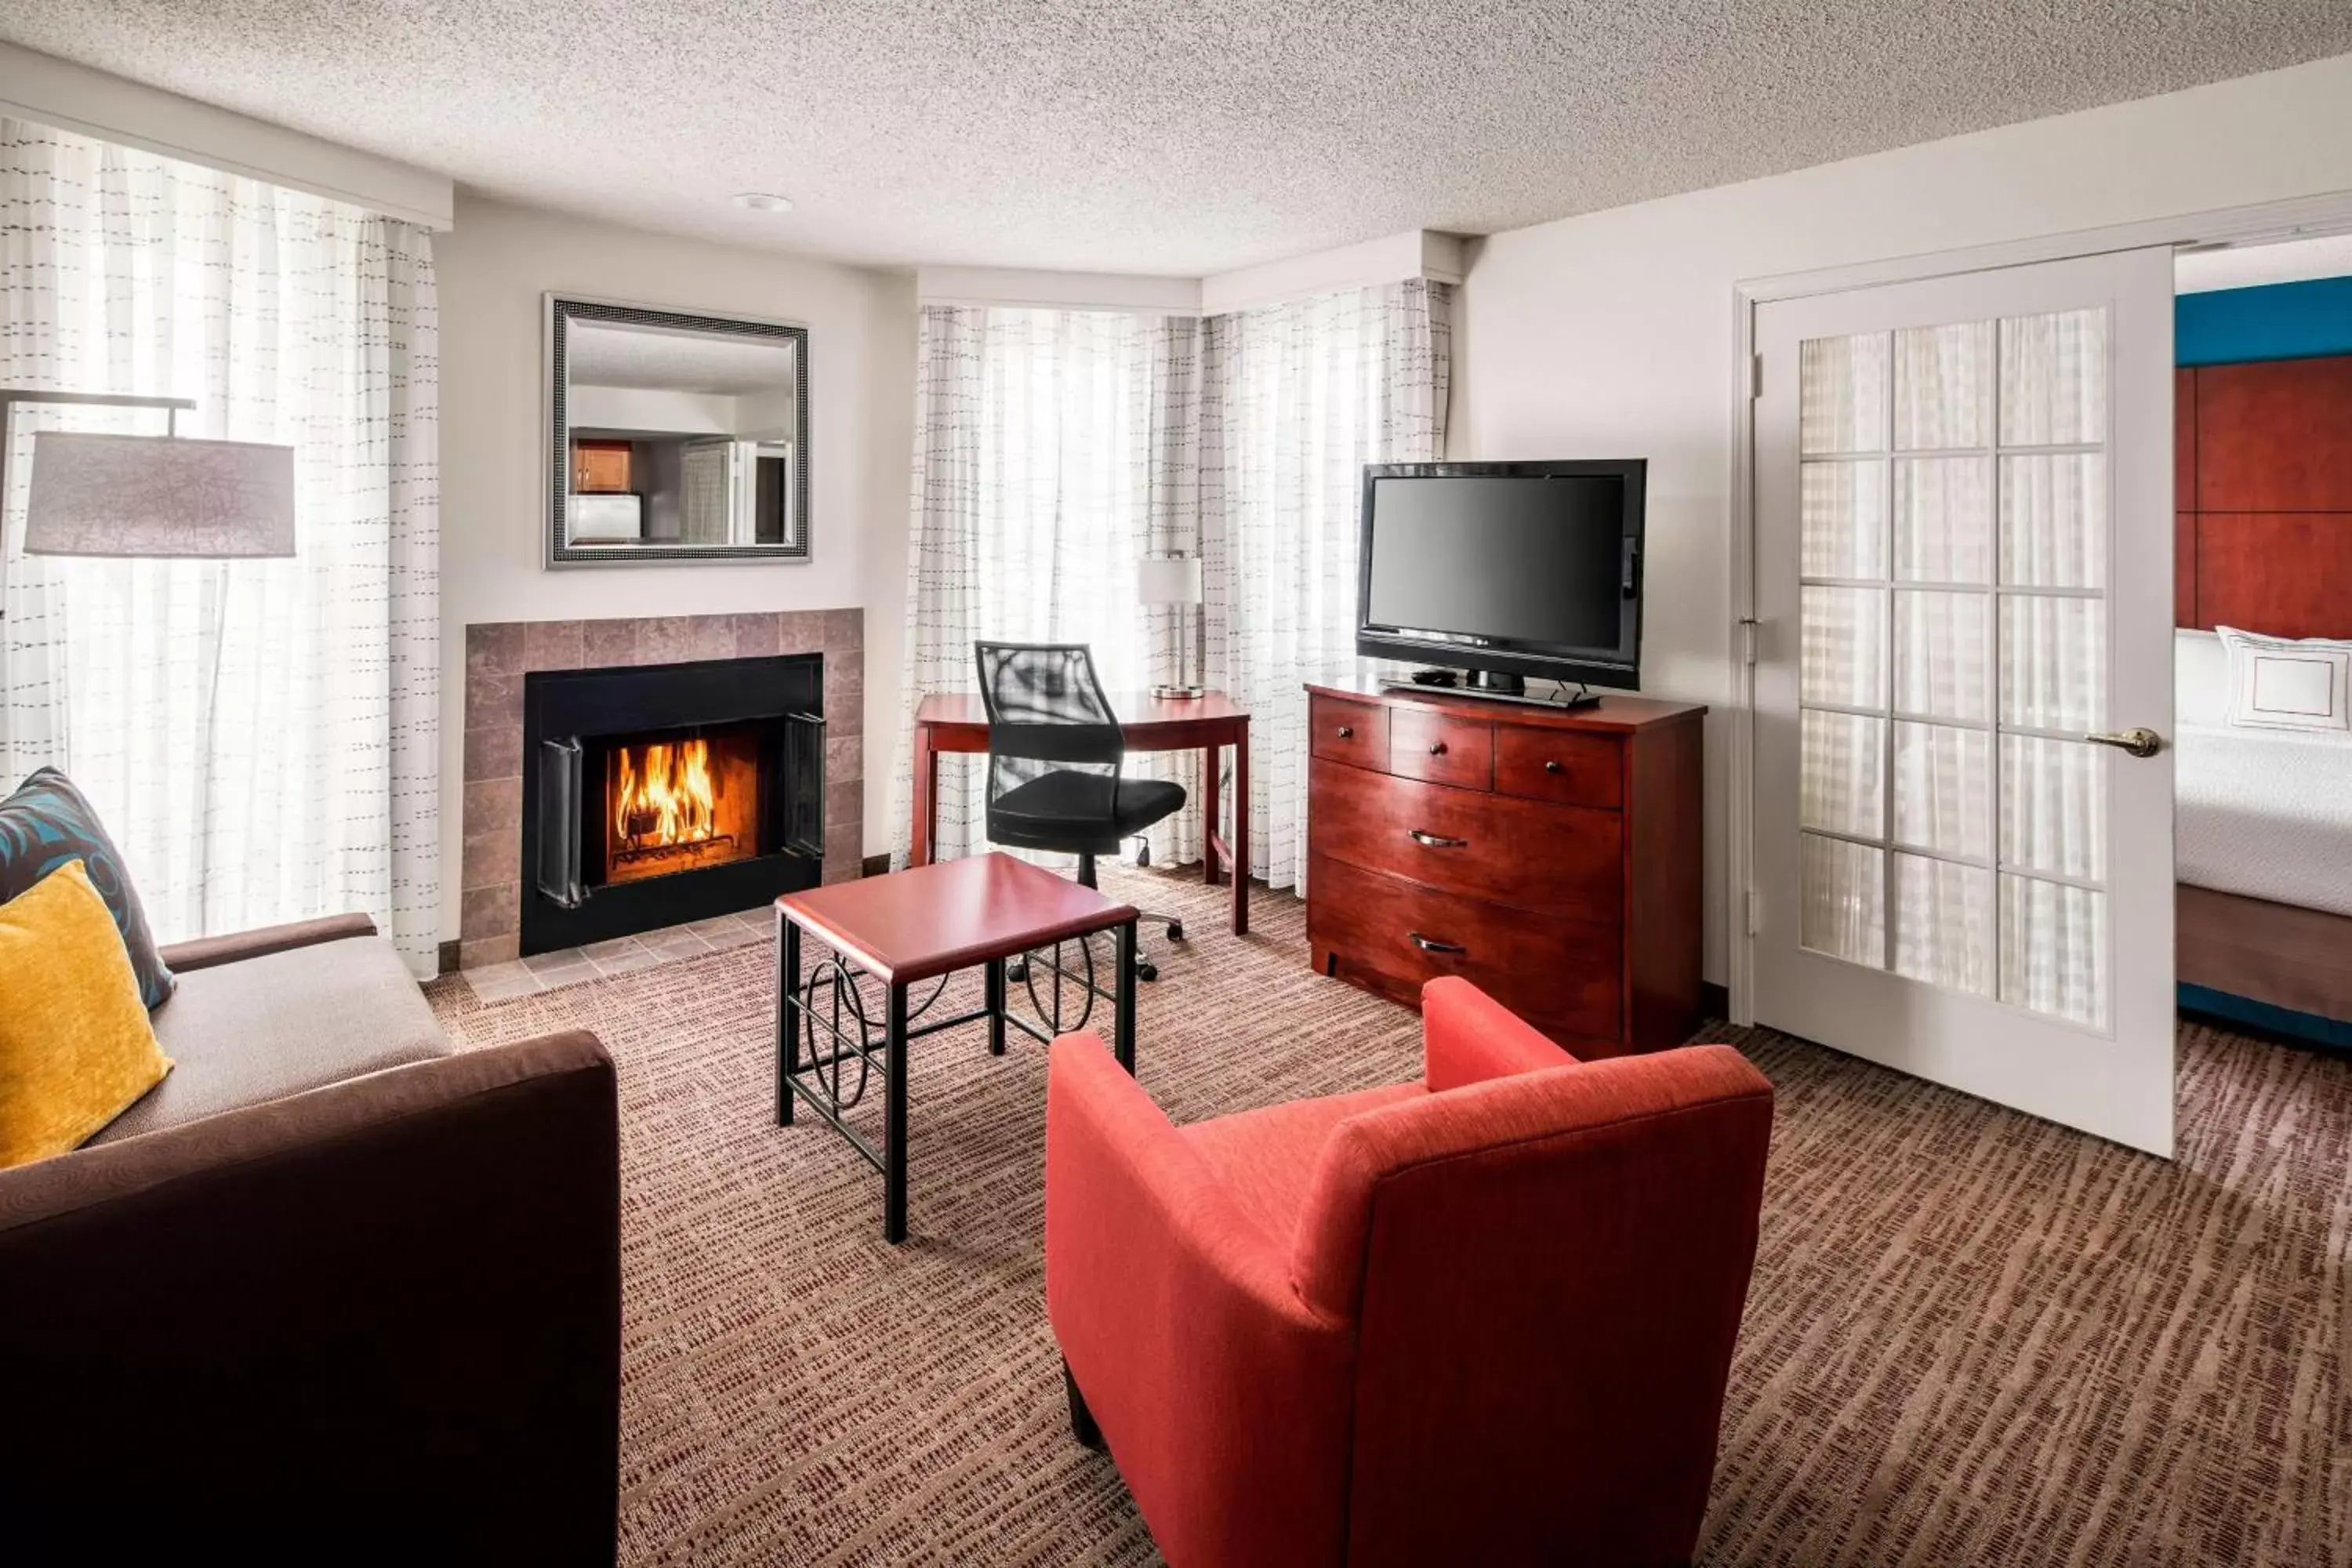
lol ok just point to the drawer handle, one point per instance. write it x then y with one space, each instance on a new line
1553 768
1436 841
1437 748
1430 944
1347 731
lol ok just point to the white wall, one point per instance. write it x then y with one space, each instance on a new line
92 103
1024 287
653 408
768 415
493 268
1415 253
1611 334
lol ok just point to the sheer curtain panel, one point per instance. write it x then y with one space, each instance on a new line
261 736
1053 449
1297 398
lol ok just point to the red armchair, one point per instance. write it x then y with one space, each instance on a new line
1484 1317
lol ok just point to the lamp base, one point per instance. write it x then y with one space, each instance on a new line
1178 693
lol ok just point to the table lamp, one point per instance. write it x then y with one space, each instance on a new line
1173 580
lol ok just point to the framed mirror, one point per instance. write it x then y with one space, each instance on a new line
674 436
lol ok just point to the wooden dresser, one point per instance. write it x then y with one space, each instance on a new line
1552 858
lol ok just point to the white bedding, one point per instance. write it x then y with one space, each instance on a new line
2268 816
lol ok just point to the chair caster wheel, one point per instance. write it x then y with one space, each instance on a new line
1175 930
1146 971
1016 971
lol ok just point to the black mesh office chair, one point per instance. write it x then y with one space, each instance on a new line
1053 754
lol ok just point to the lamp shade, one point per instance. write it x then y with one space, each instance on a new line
1169 580
150 495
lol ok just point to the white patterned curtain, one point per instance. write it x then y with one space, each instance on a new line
1296 399
1053 449
260 736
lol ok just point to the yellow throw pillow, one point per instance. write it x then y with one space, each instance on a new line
76 1048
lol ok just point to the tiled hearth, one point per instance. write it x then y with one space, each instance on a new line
498 656
622 955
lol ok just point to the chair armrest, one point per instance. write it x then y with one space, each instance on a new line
206 951
396 1299
1223 1397
1467 1037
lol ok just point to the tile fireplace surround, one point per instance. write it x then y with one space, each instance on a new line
498 656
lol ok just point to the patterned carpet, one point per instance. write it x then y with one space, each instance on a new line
1973 1338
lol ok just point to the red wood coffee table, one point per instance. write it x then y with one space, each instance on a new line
906 927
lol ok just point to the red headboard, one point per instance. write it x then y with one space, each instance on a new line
2264 487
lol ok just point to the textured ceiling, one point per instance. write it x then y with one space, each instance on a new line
1141 135
602 356
2248 266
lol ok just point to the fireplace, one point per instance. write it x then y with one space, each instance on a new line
656 794
688 800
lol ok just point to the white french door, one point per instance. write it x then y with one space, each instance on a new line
1964 591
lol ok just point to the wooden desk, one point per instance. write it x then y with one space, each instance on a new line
959 722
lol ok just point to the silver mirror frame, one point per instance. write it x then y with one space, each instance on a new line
560 311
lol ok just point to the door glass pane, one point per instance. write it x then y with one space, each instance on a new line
1844 657
2053 519
1943 923
1842 394
2053 379
1943 386
2053 662
1943 519
1928 471
2053 807
1838 785
2053 950
1842 902
1941 665
1943 787
1844 518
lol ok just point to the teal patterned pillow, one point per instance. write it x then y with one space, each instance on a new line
48 823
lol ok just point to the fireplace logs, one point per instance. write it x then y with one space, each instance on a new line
675 804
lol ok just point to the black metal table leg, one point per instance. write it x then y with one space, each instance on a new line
995 1006
788 1023
893 1170
1123 1029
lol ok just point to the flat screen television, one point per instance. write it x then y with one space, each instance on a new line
1505 569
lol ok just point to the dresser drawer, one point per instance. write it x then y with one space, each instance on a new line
1565 861
1352 733
1560 975
1442 749
1558 765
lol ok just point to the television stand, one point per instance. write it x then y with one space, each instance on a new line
1554 859
1558 702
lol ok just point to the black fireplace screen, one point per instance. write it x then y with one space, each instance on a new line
666 793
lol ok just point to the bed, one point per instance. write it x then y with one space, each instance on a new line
2263 861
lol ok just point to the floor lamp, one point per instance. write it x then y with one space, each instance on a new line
148 496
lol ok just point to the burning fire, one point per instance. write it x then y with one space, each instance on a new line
672 803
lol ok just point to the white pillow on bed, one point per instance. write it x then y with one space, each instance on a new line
2276 683
2201 678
